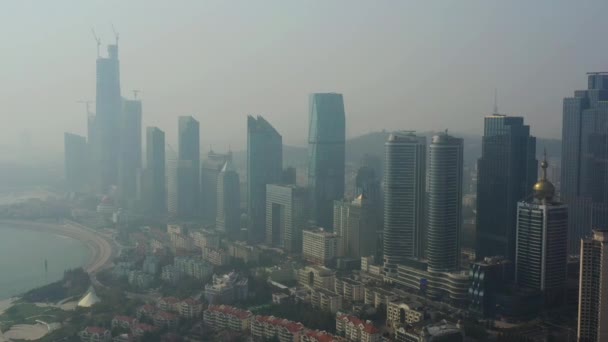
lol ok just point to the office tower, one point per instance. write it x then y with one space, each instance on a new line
76 161
154 175
405 169
320 246
108 108
188 170
593 287
264 166
287 209
507 170
326 136
444 213
289 176
357 225
210 170
130 148
367 183
228 200
584 169
489 278
542 240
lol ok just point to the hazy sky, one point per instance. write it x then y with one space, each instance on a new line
400 64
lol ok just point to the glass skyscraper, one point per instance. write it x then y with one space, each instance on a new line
154 176
584 171
404 194
264 166
506 172
210 170
189 164
326 139
444 191
228 218
130 148
75 148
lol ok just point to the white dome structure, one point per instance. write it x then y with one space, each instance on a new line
89 299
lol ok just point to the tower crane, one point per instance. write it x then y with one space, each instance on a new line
97 40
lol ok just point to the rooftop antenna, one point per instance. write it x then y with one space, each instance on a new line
97 40
115 34
135 92
495 101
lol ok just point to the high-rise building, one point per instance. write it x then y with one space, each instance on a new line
264 166
542 240
188 174
289 176
593 287
108 108
76 161
507 170
228 218
210 170
584 169
326 139
130 148
179 185
357 225
405 170
444 211
287 209
155 196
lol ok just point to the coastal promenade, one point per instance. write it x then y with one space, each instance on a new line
101 247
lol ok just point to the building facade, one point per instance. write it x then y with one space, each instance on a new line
593 287
210 170
188 171
155 187
264 166
287 209
320 246
326 139
130 149
357 225
506 172
228 218
76 161
404 196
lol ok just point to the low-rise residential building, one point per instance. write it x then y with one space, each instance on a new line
168 304
399 313
326 300
124 322
369 265
151 264
355 329
193 266
140 329
319 336
240 250
376 296
205 238
216 256
442 331
190 308
224 317
145 311
124 338
280 298
351 290
320 246
269 327
181 241
170 274
165 319
95 334
317 277
140 279
227 288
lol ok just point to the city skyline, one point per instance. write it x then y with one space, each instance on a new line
165 96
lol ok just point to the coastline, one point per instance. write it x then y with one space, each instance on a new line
101 248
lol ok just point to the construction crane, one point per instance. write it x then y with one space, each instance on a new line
135 92
115 33
87 104
97 40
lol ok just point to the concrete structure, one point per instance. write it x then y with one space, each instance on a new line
489 277
188 178
325 300
326 139
154 195
210 170
190 308
264 166
351 290
404 196
95 334
227 288
228 218
584 166
224 317
193 266
444 218
216 256
399 313
76 162
355 329
506 171
442 331
130 149
317 277
357 224
164 319
593 288
287 209
542 242
270 327
320 246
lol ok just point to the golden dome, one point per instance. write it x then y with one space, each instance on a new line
543 189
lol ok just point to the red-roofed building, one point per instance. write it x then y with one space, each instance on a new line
124 338
95 334
356 329
168 304
124 322
224 317
190 308
268 327
140 329
165 319
320 336
146 311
